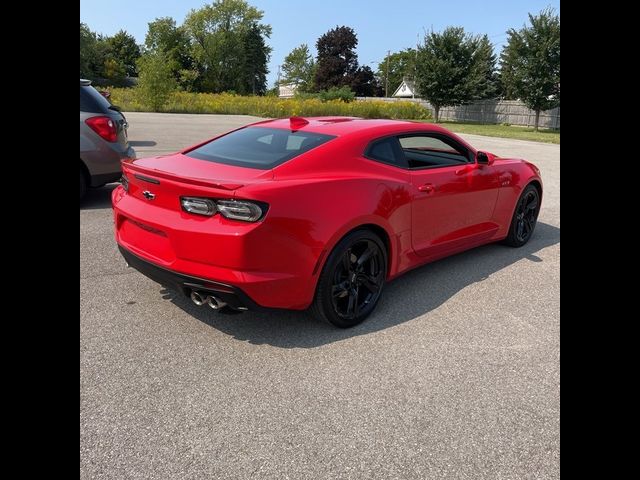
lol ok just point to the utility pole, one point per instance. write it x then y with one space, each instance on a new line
415 66
386 82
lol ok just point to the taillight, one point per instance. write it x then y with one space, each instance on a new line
240 210
103 126
199 206
243 210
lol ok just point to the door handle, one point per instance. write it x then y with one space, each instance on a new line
427 188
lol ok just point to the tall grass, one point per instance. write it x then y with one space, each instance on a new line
272 107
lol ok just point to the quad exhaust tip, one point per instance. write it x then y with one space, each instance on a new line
215 302
200 299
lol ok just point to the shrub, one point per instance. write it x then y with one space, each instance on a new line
135 99
343 93
156 81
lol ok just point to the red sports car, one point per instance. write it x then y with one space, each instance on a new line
316 212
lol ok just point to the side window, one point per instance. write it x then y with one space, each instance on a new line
425 151
386 150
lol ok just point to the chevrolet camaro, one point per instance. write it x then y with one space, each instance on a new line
316 213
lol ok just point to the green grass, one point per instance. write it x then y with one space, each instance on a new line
504 131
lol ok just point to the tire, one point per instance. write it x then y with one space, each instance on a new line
83 185
352 280
525 216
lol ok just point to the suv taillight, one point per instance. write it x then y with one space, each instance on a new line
103 126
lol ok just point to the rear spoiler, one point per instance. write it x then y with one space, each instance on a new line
129 166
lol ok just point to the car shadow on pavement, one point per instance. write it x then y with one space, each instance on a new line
413 294
97 198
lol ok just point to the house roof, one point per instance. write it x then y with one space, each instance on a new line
410 88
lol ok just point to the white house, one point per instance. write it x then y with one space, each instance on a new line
287 90
406 89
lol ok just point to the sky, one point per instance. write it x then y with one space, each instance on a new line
380 25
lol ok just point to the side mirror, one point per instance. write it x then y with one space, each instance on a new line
484 158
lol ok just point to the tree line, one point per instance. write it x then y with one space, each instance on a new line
448 68
112 58
222 47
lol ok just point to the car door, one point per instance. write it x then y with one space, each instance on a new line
453 196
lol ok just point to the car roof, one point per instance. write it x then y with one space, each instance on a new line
340 126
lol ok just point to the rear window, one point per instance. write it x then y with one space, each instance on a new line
92 101
258 147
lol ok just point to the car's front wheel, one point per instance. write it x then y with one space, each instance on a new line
524 218
352 279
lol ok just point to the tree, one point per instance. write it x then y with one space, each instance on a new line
125 51
401 66
299 68
530 63
163 36
364 83
110 58
156 81
487 82
451 68
114 70
337 61
217 33
94 55
254 63
87 51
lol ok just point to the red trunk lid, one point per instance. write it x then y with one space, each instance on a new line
154 222
178 166
162 180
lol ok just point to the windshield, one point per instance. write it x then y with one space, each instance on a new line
258 147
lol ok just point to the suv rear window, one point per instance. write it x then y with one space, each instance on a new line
91 101
258 147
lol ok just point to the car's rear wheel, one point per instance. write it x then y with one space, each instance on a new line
351 281
83 184
524 218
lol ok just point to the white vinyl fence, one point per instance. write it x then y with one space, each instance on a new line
513 112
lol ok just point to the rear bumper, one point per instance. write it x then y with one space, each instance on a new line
231 295
104 164
263 266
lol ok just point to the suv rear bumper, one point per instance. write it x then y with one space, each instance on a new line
104 164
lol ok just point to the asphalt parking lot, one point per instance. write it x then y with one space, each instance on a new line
455 375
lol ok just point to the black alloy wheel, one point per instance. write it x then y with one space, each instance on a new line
524 218
352 280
